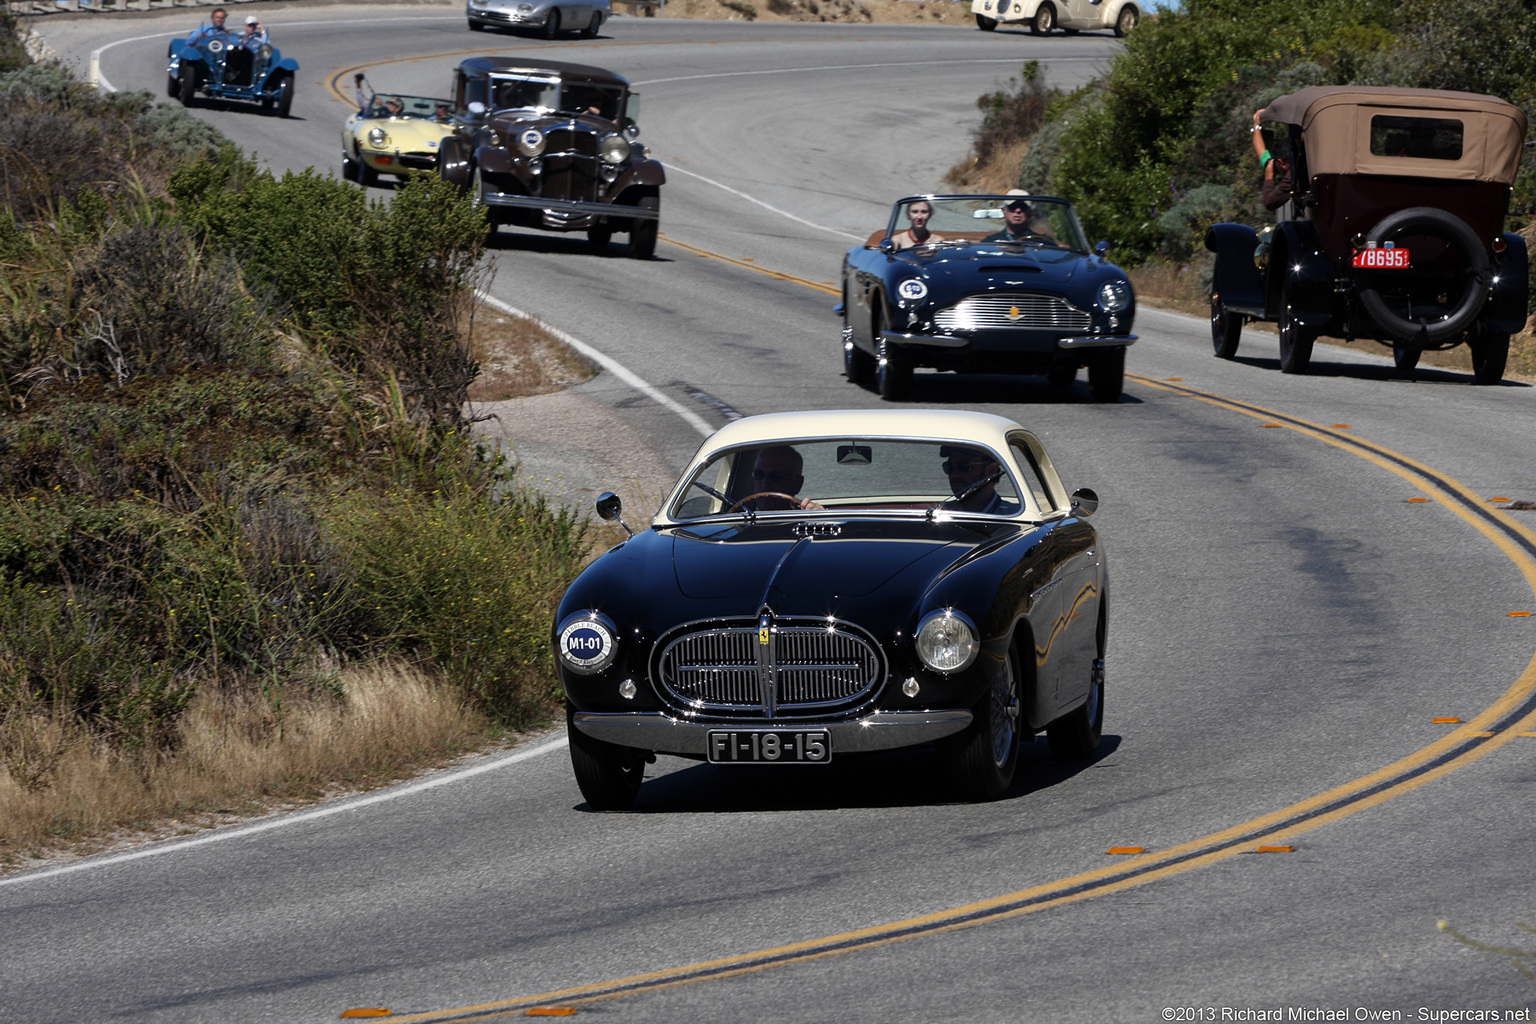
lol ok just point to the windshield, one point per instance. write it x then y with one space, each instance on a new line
1022 220
847 475
549 95
397 105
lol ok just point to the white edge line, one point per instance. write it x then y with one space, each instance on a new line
759 202
610 364
393 793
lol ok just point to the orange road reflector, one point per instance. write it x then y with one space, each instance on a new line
1413 501
1269 424
1445 720
550 1011
1501 499
1519 615
366 1011
1126 849
1341 426
748 259
1179 379
1275 849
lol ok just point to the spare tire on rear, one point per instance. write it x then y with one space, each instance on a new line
1476 276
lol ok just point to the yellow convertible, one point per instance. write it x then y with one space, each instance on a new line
394 134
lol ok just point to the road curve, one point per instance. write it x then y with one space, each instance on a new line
1290 619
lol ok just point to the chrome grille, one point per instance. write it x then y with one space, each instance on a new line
997 312
811 668
570 163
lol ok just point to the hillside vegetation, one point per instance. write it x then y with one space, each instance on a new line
239 503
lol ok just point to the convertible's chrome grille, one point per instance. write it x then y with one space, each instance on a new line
570 162
803 668
1016 311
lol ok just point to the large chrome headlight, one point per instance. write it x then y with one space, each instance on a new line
215 46
378 138
530 142
1115 295
614 149
947 642
587 643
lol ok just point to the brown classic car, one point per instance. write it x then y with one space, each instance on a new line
1394 229
551 145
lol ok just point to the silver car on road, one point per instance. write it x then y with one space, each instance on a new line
550 17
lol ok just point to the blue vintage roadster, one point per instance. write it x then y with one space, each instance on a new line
217 65
984 284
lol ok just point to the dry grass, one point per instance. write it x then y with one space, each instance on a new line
883 12
999 173
1178 288
519 358
61 791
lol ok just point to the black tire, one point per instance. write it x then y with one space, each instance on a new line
552 23
858 365
985 23
609 776
348 168
1043 21
1405 356
367 176
1477 276
1490 354
598 237
1062 376
173 87
1295 339
475 26
642 233
1226 327
1126 21
1106 375
893 368
188 84
476 195
984 758
284 102
1076 734
590 32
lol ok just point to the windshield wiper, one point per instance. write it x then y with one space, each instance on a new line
990 478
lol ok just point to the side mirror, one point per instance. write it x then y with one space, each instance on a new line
609 508
1084 502
1100 249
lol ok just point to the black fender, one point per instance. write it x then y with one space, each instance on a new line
1237 278
1507 301
495 160
646 172
453 162
1300 274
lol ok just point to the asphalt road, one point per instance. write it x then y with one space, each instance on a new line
1287 622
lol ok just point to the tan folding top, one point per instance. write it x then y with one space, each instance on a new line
1336 124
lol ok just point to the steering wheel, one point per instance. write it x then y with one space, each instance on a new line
794 501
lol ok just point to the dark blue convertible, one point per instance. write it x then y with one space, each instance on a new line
216 64
984 284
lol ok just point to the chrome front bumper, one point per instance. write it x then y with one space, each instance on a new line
951 341
569 207
883 730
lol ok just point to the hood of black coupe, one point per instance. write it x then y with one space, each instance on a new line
740 559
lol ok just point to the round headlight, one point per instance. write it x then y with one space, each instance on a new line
587 644
530 142
613 150
378 138
947 642
1114 295
265 51
215 46
911 291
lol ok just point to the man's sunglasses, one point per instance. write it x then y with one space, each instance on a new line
963 465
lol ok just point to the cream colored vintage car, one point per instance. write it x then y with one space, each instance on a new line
394 134
1071 16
